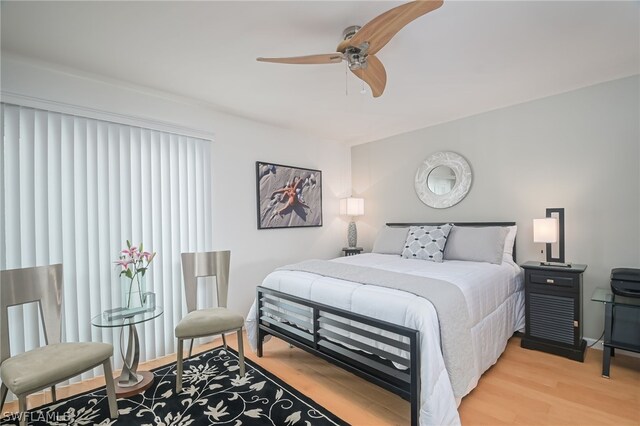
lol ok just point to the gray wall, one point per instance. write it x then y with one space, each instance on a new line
578 150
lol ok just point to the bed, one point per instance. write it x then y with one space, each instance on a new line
392 337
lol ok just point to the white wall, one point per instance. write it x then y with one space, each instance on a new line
238 144
579 150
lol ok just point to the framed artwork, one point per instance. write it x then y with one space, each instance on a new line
288 197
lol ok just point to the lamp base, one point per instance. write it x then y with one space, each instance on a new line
352 235
556 264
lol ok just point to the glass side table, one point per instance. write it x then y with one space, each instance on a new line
130 382
621 324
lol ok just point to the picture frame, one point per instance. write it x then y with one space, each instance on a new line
288 196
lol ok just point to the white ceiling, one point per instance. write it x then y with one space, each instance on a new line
462 59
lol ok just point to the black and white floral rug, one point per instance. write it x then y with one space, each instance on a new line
213 394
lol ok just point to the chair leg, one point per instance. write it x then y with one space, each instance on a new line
241 353
3 396
111 389
53 393
224 341
191 348
22 409
179 367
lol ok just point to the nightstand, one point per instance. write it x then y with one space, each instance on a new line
351 251
553 309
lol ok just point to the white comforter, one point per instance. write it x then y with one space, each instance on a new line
494 295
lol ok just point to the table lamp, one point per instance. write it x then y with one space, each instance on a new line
352 207
550 230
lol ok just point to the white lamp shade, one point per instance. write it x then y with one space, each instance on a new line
352 206
545 230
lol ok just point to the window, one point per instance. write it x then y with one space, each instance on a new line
73 189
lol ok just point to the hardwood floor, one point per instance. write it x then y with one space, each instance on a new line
524 388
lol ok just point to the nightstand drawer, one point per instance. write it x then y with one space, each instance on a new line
552 279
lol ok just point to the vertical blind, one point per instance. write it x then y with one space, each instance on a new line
73 190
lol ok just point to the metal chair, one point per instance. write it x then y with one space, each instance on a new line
212 321
44 367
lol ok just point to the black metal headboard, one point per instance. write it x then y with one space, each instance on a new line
474 224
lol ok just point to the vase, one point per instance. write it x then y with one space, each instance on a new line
133 292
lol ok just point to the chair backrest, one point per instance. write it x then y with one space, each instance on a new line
205 264
42 284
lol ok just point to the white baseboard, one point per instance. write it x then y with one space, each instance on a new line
598 346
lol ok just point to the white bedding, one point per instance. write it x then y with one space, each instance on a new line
494 295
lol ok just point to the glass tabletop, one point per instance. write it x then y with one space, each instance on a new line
102 320
605 295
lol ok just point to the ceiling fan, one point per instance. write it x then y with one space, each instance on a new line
360 44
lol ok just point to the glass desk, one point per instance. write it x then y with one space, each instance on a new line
131 381
621 324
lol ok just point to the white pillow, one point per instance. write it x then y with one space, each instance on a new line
390 240
485 244
509 243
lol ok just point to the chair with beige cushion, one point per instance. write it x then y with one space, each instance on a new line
212 321
44 367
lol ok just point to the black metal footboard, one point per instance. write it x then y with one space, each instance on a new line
331 333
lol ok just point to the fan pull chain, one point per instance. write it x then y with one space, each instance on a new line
363 91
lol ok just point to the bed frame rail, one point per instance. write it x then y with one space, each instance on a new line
340 337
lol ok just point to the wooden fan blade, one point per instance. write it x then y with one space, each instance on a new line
374 75
329 58
382 28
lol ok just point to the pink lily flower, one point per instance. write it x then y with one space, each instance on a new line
123 263
130 251
133 260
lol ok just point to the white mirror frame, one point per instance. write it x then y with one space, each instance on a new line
460 168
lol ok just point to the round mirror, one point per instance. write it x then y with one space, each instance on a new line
441 180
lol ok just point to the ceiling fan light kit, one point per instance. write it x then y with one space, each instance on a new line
356 57
360 44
